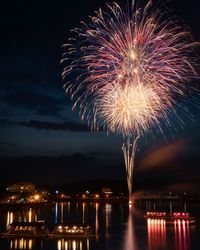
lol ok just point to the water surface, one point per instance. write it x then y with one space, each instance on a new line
116 227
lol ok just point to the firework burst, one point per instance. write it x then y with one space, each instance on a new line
124 68
131 108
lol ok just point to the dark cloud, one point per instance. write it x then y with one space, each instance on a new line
7 144
4 122
65 126
38 103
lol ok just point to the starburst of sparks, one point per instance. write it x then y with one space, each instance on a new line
125 66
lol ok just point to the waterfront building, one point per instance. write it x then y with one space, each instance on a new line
21 187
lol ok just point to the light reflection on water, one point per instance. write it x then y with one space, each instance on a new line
108 209
97 220
116 227
130 242
66 244
21 243
156 234
56 213
182 234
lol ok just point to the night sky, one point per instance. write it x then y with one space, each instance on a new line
36 118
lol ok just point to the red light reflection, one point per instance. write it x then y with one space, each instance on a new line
182 234
156 234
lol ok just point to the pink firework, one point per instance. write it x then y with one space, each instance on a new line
120 47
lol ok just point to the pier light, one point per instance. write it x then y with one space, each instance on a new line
36 197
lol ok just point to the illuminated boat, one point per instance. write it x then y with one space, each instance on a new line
63 230
26 229
170 217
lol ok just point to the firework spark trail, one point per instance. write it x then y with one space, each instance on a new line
125 68
129 150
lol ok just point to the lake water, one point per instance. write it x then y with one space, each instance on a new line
116 226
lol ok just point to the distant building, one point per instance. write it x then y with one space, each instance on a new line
22 187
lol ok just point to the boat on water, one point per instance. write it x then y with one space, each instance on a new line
69 231
170 217
26 229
